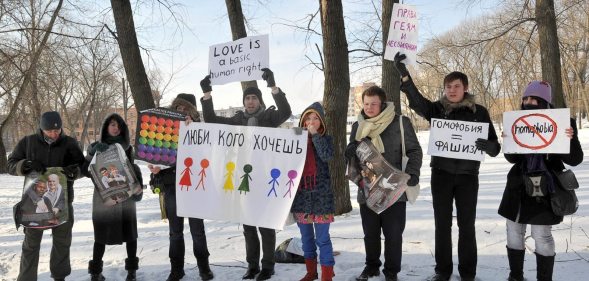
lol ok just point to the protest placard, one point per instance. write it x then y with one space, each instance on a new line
403 33
243 174
456 139
239 60
113 175
44 201
536 131
156 138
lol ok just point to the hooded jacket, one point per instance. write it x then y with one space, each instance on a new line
466 110
516 205
114 224
61 153
318 199
271 117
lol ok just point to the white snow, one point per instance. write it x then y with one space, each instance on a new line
226 243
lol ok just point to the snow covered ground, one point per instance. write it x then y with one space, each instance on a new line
226 243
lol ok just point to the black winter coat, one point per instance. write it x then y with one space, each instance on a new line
516 205
61 153
467 110
114 224
393 149
271 118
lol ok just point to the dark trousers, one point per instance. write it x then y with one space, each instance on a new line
392 223
252 246
176 224
59 261
446 188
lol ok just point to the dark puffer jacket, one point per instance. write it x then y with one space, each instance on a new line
271 117
516 205
61 153
114 224
393 149
317 199
467 110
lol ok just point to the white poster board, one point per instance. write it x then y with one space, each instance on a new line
456 139
241 174
403 33
536 131
239 60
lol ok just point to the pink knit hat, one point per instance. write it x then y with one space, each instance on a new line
539 89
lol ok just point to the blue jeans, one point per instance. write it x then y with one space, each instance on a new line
317 238
542 235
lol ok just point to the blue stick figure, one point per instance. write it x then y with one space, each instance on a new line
274 173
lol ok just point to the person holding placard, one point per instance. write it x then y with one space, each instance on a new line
313 206
255 114
521 207
379 122
113 225
48 147
453 179
166 179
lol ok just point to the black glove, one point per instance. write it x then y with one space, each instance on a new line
486 146
205 84
268 75
401 68
101 147
350 152
71 171
413 181
33 165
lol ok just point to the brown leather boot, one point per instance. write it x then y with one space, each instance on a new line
311 275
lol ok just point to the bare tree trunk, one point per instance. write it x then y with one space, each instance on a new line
549 49
129 47
24 86
335 97
238 31
391 80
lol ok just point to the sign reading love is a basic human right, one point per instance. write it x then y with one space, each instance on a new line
536 131
239 60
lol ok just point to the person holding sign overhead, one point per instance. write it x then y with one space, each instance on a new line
379 122
521 207
166 180
453 179
255 114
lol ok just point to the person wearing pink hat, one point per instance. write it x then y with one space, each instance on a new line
520 208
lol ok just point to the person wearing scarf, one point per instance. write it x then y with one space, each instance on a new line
313 206
255 113
519 209
117 224
454 182
379 122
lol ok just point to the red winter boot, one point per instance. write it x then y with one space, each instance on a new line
327 273
311 270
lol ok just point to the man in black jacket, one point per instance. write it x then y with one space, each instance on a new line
49 147
453 179
255 114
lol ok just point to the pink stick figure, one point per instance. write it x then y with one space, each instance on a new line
292 174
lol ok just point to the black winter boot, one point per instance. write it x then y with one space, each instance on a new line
204 270
131 265
516 264
95 270
544 267
177 269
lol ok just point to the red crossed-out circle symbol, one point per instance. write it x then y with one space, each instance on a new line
545 141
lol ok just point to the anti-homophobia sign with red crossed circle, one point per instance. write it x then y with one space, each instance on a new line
546 133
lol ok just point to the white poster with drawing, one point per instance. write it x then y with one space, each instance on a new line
239 60
536 131
456 139
403 33
242 174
